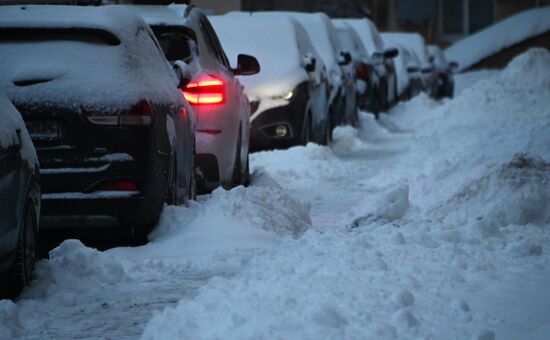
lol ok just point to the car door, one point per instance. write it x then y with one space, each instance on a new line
10 180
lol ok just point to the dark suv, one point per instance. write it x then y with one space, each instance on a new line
19 202
113 133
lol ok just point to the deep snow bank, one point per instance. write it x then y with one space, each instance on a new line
462 207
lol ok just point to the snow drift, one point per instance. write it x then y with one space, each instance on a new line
462 203
506 33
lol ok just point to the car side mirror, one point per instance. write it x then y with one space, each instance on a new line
427 69
309 62
344 58
183 73
246 65
453 65
391 53
377 58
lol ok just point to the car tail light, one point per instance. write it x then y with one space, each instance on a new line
207 89
139 115
123 185
362 71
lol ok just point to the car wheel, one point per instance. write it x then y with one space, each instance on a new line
20 274
237 168
175 194
192 190
246 172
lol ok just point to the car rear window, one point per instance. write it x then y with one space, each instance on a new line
175 43
89 35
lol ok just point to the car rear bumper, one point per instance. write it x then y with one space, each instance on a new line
96 209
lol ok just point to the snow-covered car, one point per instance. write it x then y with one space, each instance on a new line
416 43
367 80
444 71
19 202
288 96
382 59
113 133
220 105
323 36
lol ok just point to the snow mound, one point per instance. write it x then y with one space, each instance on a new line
388 206
503 34
530 68
72 269
10 322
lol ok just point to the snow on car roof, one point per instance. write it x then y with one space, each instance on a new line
273 41
351 41
368 33
11 122
66 56
320 30
499 36
160 15
413 41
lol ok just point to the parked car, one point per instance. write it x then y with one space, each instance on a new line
19 202
444 71
288 96
415 42
367 80
113 133
323 36
409 81
382 60
220 105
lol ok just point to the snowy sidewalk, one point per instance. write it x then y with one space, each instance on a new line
433 222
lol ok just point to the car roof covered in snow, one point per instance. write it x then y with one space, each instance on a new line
11 123
368 33
499 36
351 41
320 30
96 58
274 42
439 60
172 15
413 41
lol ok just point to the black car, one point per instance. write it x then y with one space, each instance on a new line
114 135
289 96
19 202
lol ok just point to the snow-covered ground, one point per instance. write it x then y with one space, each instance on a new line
433 222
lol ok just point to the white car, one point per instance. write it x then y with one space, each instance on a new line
222 109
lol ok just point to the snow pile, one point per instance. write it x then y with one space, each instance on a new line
506 33
10 323
443 239
11 122
72 270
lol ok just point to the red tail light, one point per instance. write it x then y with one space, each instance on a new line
362 71
117 186
207 89
139 115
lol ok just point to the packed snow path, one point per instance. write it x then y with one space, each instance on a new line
432 222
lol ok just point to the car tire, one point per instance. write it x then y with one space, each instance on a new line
237 177
20 274
175 196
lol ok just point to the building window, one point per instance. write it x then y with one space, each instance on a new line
459 18
481 14
452 16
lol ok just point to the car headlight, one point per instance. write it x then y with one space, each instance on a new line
286 96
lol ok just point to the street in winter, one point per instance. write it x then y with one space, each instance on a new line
260 170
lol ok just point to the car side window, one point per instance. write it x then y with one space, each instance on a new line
213 42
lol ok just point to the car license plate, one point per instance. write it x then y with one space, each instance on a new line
44 130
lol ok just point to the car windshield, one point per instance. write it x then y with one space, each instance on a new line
175 43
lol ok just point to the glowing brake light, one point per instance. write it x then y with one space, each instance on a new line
206 89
